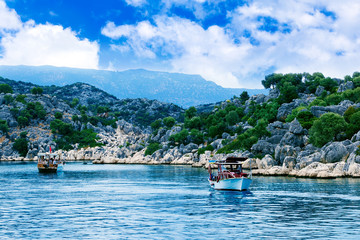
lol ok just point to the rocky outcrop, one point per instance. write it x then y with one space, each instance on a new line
339 109
345 86
286 108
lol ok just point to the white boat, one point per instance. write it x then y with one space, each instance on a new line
229 174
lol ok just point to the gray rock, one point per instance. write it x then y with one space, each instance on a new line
283 151
307 160
286 108
188 148
295 127
319 90
274 139
356 137
225 135
278 128
339 109
334 152
345 86
263 147
289 162
293 140
266 162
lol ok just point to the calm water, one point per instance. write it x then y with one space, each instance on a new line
170 202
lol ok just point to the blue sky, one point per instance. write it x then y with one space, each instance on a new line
233 43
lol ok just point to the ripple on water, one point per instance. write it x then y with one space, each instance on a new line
161 202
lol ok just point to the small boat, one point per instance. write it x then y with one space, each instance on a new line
229 174
49 162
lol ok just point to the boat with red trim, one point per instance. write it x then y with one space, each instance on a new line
228 174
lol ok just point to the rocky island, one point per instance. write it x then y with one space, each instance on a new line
307 126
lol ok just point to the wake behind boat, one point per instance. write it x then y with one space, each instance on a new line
229 174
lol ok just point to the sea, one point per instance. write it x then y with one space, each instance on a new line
88 201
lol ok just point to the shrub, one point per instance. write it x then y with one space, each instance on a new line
5 88
153 147
326 128
8 99
21 144
306 119
21 98
155 125
22 121
207 148
169 122
37 90
232 118
4 128
197 136
58 115
179 138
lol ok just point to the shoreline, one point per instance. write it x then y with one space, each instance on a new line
255 171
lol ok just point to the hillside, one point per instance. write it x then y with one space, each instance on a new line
306 127
181 89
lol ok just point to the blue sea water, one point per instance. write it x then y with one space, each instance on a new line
170 202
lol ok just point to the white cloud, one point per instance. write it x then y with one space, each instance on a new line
9 20
309 36
136 3
43 44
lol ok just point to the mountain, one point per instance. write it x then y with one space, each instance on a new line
181 89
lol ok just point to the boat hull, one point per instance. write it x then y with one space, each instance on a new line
237 184
47 169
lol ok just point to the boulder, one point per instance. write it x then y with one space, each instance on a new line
319 90
295 127
304 161
263 147
286 108
339 109
283 151
292 139
266 162
334 152
345 86
356 137
289 162
278 128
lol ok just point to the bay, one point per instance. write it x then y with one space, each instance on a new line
170 202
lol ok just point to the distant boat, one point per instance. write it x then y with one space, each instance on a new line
229 174
49 162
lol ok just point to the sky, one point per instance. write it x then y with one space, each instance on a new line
234 43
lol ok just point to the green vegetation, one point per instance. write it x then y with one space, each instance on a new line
21 98
4 128
58 115
328 127
5 88
66 135
37 90
153 147
21 144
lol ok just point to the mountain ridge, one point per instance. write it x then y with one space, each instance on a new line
181 89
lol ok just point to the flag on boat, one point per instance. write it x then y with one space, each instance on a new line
50 149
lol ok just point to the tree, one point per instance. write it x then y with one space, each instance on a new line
5 88
21 98
244 96
326 128
58 115
232 118
8 99
197 136
153 147
22 121
37 90
4 128
191 112
21 144
156 124
169 122
272 80
288 92
74 102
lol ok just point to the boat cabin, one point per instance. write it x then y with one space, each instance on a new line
231 167
48 162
